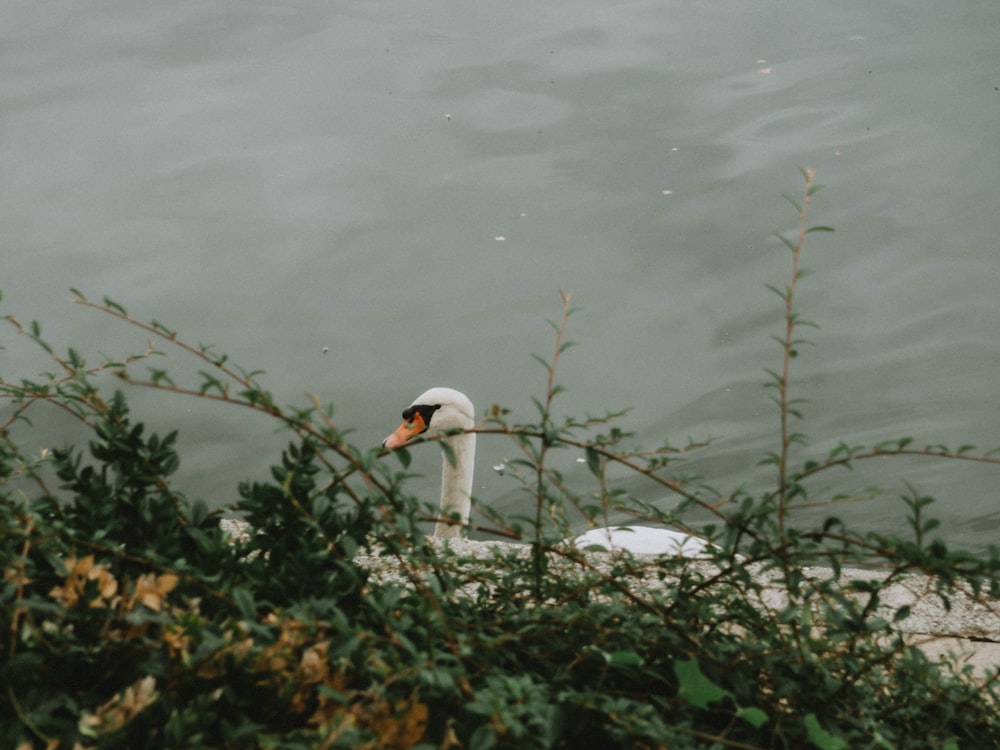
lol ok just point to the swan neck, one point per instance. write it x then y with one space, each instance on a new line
456 483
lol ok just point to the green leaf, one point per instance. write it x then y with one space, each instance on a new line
244 602
483 738
404 457
778 378
210 383
787 242
594 461
321 505
160 376
819 736
449 453
781 293
542 362
794 202
112 305
539 405
753 716
695 688
624 659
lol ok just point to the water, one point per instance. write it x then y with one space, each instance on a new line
410 186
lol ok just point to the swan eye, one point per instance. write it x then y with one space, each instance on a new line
418 418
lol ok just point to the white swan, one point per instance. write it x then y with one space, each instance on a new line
443 409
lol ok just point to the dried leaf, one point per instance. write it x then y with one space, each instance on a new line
150 589
80 572
120 710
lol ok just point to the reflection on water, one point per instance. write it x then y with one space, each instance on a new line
280 180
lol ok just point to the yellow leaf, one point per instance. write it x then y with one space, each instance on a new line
150 589
120 710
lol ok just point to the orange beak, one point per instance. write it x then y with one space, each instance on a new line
405 432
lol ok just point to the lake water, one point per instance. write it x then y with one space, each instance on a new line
410 184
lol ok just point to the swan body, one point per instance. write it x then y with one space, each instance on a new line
645 540
444 409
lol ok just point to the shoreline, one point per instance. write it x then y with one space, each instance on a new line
969 629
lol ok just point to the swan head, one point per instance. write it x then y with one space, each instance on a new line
438 410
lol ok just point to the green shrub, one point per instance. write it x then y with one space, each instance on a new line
131 618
